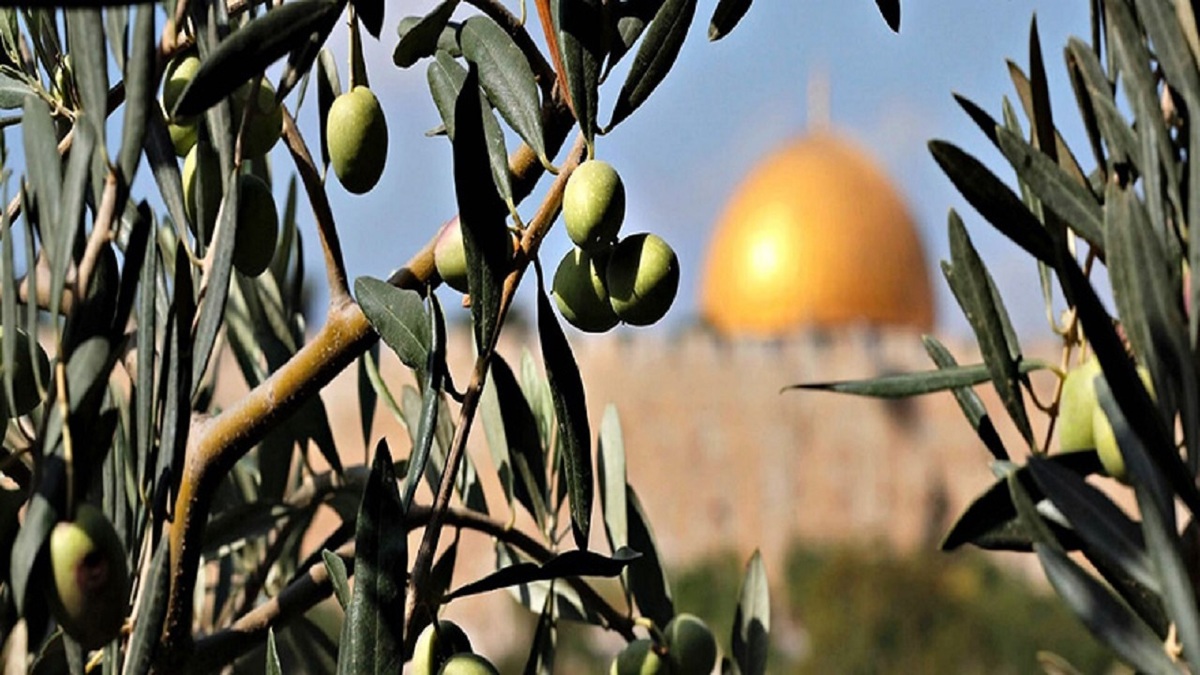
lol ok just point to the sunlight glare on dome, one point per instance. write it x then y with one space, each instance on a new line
816 235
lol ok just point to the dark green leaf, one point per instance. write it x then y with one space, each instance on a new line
13 92
70 213
370 12
248 51
1105 529
580 26
139 92
570 408
368 398
43 172
423 445
655 56
518 431
968 401
1066 197
481 212
1103 614
915 384
974 290
1157 507
534 595
727 15
632 19
373 634
399 316
752 622
337 577
990 521
506 78
425 36
89 63
647 577
212 311
563 565
994 200
494 431
40 517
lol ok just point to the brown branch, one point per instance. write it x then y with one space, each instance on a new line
313 586
418 587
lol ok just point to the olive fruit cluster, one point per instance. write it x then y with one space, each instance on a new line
690 648
257 224
445 649
1082 423
604 280
26 375
91 578
357 139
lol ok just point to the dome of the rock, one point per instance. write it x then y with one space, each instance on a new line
816 236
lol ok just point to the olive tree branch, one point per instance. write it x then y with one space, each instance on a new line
418 587
312 586
215 444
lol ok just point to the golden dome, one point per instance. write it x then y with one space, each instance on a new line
815 236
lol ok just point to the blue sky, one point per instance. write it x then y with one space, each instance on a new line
726 105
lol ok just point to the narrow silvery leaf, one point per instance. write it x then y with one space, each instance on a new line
505 75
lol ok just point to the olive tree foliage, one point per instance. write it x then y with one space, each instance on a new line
1125 197
136 294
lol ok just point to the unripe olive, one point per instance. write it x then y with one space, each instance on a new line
210 165
468 664
642 277
183 136
580 293
179 74
266 118
450 256
356 131
257 226
1076 406
91 579
593 205
639 658
1105 438
691 645
435 647
25 379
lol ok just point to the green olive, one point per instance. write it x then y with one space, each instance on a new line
450 256
356 131
593 205
1075 407
435 646
642 278
179 74
183 136
91 578
691 645
26 394
257 226
639 658
580 293
207 163
468 664
265 123
1105 439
